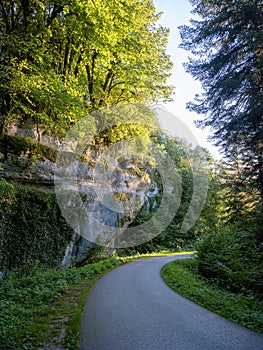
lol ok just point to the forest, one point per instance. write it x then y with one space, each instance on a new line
62 61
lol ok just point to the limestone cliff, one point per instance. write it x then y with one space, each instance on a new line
27 162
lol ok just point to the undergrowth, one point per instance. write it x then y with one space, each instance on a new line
183 277
27 303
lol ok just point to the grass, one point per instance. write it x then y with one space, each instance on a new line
43 311
182 276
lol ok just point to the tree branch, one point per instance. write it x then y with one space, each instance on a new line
54 14
5 16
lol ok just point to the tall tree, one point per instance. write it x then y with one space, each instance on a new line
30 89
239 204
227 45
59 60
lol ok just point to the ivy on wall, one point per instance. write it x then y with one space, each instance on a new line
31 227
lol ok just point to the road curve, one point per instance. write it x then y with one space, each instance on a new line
131 308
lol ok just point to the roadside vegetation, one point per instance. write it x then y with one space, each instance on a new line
42 308
242 307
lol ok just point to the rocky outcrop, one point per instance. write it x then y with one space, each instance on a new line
127 184
20 169
24 160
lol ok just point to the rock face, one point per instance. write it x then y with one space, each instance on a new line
21 169
112 196
99 202
77 251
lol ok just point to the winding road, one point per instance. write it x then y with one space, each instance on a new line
131 308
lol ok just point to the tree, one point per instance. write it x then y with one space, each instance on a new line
226 41
30 89
239 203
60 60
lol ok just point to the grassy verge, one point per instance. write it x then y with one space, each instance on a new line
72 340
43 311
182 276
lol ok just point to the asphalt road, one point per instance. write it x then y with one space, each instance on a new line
131 308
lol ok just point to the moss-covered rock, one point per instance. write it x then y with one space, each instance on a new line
31 227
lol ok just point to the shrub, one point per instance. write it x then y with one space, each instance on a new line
233 259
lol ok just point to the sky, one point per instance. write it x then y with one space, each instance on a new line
175 14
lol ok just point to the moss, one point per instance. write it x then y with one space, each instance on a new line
122 196
26 145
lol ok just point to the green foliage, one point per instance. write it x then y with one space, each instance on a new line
230 230
211 216
227 45
183 277
96 254
62 59
19 145
31 227
186 160
7 195
133 123
233 260
240 199
257 223
27 300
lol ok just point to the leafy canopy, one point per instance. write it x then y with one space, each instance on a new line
60 60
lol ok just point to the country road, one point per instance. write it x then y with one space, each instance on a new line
131 308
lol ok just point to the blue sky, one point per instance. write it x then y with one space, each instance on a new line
176 13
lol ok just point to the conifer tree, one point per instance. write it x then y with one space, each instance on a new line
226 41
